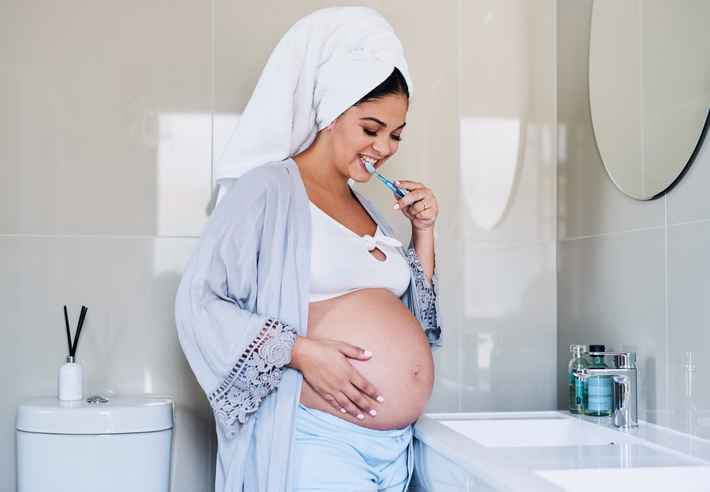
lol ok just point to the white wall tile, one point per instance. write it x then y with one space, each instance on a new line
689 328
507 136
640 290
107 114
612 292
506 356
128 343
689 199
589 203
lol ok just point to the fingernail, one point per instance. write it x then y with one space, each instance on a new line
342 410
380 399
396 206
366 353
360 416
396 182
373 412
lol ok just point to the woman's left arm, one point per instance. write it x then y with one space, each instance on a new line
420 207
424 246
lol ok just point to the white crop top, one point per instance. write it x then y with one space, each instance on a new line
341 261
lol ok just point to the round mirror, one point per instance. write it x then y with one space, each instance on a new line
649 89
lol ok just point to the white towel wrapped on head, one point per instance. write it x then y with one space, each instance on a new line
323 65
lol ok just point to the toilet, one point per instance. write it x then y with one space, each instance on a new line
108 444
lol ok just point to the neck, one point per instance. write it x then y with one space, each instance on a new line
318 170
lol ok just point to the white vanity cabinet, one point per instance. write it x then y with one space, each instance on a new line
433 472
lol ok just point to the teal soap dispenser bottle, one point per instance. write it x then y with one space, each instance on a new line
599 389
576 384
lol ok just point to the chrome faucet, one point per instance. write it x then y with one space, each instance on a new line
624 376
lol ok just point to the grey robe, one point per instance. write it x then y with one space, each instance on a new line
242 300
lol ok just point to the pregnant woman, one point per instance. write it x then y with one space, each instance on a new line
307 324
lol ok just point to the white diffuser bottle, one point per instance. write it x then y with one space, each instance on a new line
71 380
71 374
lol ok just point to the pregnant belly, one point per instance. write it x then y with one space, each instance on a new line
401 366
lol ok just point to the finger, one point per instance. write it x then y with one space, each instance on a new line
332 401
418 206
365 405
366 387
411 197
354 352
327 395
424 214
349 406
335 404
408 185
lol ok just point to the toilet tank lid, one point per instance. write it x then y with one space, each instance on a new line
119 415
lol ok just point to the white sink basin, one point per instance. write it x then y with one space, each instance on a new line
528 432
686 478
554 452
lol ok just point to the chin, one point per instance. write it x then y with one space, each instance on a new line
359 174
360 178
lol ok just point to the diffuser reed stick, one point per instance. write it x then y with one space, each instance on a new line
73 345
66 323
84 309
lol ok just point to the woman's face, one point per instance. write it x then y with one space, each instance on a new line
372 129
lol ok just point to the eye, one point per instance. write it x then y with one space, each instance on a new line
374 134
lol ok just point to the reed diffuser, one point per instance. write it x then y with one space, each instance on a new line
71 374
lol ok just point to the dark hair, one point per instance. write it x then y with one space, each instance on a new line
392 85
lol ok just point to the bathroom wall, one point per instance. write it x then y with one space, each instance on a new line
632 274
112 117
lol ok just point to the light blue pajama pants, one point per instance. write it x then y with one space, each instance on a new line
334 455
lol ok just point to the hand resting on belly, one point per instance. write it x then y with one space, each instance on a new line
400 369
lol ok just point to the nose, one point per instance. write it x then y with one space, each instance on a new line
382 148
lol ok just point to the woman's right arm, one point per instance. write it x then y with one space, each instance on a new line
236 354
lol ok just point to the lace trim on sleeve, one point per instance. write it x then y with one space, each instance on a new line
255 375
428 297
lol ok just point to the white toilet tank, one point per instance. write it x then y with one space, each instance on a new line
120 445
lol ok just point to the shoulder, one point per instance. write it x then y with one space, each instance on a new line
265 176
260 182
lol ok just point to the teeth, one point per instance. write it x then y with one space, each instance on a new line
368 160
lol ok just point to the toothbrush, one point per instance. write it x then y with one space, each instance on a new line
389 184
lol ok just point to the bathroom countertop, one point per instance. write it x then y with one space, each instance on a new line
685 445
501 462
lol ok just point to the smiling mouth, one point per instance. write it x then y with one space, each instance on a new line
367 160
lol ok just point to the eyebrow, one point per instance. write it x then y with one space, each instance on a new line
382 123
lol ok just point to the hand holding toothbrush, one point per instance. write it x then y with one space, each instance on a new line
419 205
416 201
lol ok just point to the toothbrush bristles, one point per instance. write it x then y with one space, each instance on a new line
369 164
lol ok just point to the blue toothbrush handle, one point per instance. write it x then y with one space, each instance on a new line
399 192
395 189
